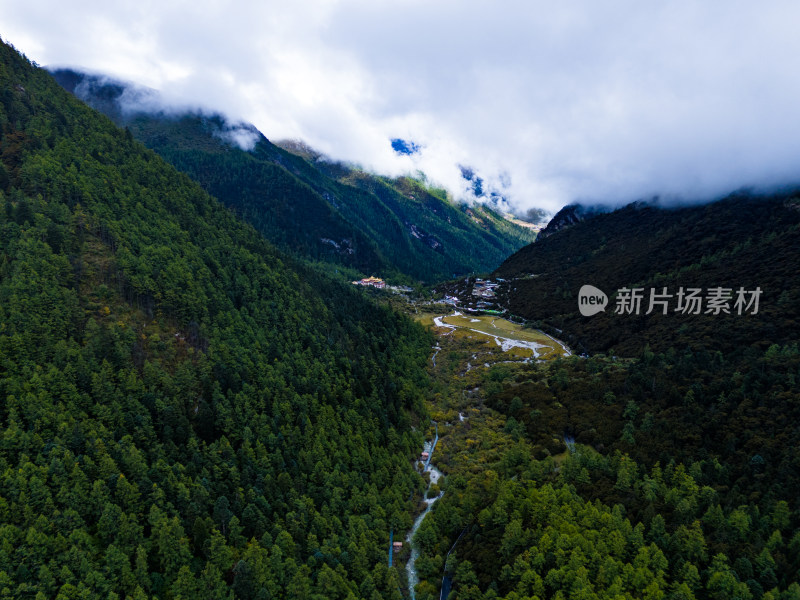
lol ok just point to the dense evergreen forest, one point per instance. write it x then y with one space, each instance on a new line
744 241
309 205
664 477
671 473
186 413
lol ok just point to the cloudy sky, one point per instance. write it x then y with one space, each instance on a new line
551 102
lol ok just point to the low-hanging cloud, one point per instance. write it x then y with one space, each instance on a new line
550 102
125 100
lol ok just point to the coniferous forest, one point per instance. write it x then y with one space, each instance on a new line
309 205
193 406
186 413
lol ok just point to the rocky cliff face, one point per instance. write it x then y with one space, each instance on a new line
566 217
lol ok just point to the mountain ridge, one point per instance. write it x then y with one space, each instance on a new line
188 412
646 246
395 226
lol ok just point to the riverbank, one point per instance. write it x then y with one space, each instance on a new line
433 477
467 352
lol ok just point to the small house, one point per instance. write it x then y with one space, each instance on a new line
424 456
375 282
397 546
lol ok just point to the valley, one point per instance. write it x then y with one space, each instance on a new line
651 474
471 346
197 402
525 342
332 214
432 495
513 493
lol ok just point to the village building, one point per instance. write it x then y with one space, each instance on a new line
375 282
484 289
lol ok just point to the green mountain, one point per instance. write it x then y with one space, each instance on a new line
742 242
186 412
678 475
305 204
662 466
189 412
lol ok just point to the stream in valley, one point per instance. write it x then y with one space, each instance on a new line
435 474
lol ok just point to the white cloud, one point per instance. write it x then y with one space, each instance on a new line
583 100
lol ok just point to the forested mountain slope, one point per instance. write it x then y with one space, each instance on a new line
744 242
662 466
405 213
682 476
185 412
308 205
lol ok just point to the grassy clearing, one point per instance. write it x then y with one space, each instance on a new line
426 318
502 328
499 327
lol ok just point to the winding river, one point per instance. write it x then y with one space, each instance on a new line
435 474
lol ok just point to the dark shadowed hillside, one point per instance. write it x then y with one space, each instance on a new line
740 242
667 471
188 410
